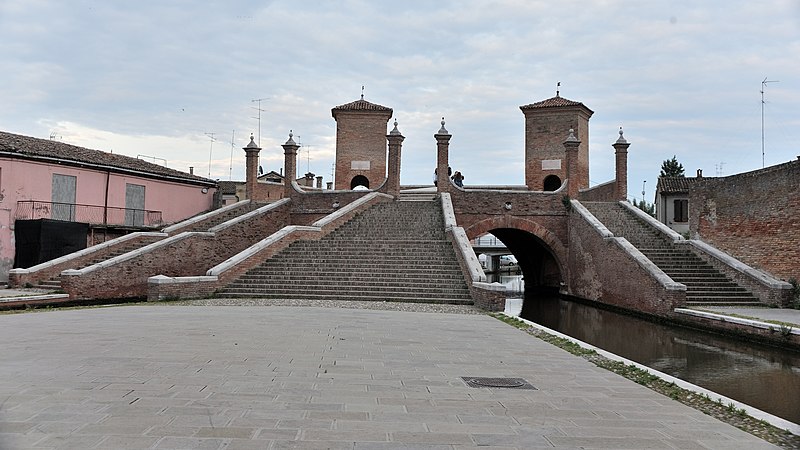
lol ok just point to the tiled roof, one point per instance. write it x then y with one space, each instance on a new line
553 102
228 187
26 146
361 105
675 185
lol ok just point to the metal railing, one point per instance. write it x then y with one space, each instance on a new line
91 214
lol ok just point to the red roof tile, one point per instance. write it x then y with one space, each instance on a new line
31 147
553 102
676 185
361 105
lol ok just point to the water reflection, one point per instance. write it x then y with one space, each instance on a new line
763 377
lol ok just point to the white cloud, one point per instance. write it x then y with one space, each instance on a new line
153 77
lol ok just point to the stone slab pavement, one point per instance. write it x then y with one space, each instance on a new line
217 377
781 314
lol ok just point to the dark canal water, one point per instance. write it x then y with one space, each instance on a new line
763 377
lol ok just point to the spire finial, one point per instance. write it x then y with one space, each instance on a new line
395 130
362 92
442 130
558 85
621 139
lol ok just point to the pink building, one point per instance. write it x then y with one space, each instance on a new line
55 194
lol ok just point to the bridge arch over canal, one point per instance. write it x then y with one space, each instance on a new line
541 255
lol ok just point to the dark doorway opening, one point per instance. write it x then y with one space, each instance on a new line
552 183
359 180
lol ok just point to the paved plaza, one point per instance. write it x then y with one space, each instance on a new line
237 377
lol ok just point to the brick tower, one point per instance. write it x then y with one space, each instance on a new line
547 124
360 144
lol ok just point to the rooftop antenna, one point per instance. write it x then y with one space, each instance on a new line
210 150
308 153
230 167
763 85
362 92
558 85
258 108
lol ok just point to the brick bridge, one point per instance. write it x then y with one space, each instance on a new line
585 242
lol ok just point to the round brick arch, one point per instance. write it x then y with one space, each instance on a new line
549 240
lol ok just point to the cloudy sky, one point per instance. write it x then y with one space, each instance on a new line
155 78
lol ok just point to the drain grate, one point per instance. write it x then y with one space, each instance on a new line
504 383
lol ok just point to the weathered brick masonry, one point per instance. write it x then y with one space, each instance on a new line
601 270
191 256
754 216
52 269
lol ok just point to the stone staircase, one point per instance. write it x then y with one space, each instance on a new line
55 281
705 285
394 251
224 217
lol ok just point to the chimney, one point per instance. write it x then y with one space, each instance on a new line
699 173
191 170
319 182
330 184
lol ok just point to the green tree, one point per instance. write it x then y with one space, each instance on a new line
648 208
671 168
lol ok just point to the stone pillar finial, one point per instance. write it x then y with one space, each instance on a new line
442 159
289 164
395 139
571 145
621 167
251 151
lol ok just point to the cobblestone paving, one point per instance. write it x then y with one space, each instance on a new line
243 377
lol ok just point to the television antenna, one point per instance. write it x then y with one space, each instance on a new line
258 108
763 86
307 148
210 150
230 167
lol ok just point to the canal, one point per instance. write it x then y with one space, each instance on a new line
764 377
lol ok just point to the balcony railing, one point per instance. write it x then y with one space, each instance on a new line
91 214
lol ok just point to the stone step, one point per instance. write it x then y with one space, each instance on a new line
336 296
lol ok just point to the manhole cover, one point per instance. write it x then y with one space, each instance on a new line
505 383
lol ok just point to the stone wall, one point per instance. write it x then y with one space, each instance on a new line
752 216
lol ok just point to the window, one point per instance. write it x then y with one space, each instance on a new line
134 205
63 197
681 210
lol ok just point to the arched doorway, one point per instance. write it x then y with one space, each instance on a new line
552 183
359 180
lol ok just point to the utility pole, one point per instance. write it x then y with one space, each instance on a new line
763 86
210 150
644 183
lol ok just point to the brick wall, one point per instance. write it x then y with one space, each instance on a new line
52 269
268 191
605 192
308 207
480 211
602 271
190 256
361 136
752 216
545 133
